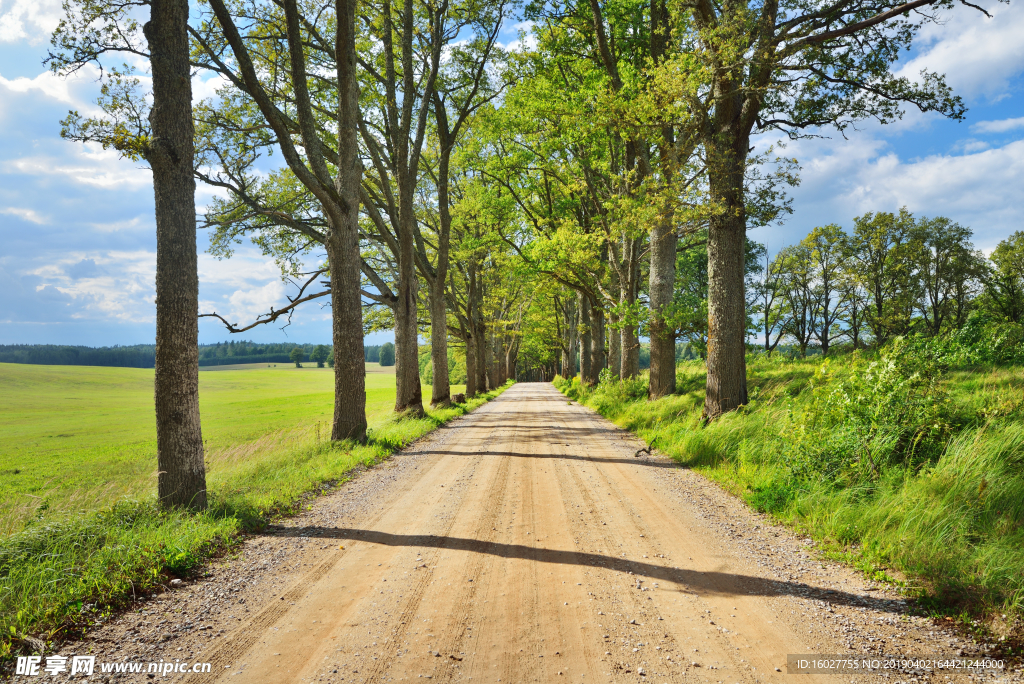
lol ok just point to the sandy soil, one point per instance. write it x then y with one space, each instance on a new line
524 543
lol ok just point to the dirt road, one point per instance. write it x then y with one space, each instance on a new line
524 543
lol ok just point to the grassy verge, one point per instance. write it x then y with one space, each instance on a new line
59 576
893 462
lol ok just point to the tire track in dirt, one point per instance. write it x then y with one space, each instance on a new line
245 638
454 632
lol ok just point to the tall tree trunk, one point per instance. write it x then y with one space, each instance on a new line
440 391
574 332
179 438
343 245
471 389
408 392
489 355
597 352
727 369
347 333
585 339
614 345
663 242
476 299
662 285
480 338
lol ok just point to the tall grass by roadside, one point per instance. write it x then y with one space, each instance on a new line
65 575
893 459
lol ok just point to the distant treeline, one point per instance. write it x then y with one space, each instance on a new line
134 356
142 355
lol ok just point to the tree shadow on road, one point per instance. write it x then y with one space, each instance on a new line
709 583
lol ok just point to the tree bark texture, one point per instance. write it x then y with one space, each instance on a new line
614 346
440 391
471 388
726 363
488 341
182 471
585 339
409 392
662 283
662 277
597 351
343 244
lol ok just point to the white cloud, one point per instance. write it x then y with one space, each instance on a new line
26 214
56 87
1000 126
528 41
88 164
246 305
207 89
118 226
34 20
978 55
841 179
116 286
247 266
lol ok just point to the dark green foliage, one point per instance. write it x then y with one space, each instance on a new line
297 356
320 355
773 497
387 354
982 341
136 356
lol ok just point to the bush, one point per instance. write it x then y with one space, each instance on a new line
387 354
863 417
982 341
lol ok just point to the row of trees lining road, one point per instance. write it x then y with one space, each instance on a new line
555 183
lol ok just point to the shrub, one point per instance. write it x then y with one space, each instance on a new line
865 417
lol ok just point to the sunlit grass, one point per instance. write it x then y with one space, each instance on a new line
77 438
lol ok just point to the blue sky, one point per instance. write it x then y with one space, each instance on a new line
77 232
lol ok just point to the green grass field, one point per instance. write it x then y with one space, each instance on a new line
80 532
75 438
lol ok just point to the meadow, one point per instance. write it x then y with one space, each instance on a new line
76 438
909 468
80 532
